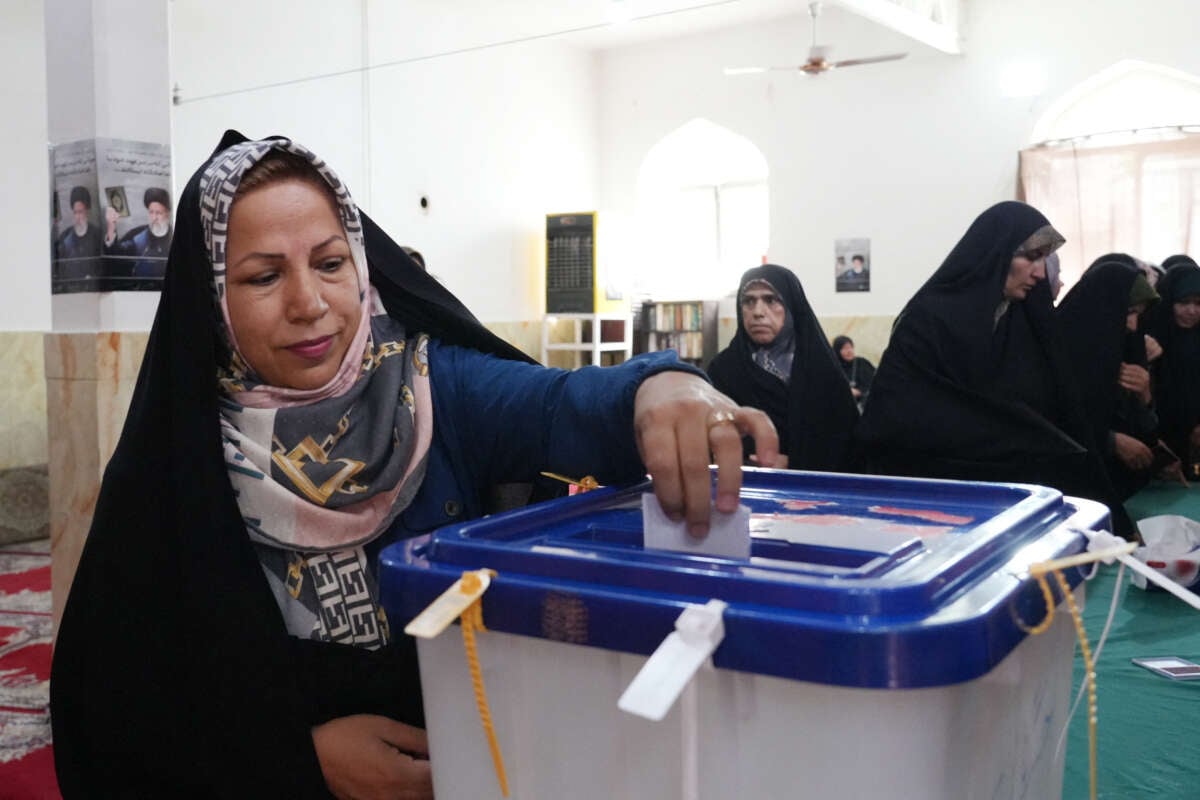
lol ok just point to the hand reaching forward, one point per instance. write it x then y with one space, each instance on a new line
369 757
679 420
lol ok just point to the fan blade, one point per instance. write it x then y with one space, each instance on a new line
757 70
854 62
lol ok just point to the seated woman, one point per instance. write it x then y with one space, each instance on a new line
973 384
1175 324
307 396
858 371
1099 321
780 361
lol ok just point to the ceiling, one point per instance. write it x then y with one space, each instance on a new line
651 20
609 24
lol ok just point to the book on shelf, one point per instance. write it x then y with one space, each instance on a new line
689 328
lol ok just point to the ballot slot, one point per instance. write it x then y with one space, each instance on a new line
904 544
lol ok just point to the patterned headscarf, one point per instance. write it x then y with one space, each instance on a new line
320 472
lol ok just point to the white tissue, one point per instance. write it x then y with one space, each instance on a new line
1175 541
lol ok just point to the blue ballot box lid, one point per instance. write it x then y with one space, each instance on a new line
852 580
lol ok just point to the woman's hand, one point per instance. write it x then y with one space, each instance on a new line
1153 348
1132 453
679 419
364 757
781 461
1173 473
1135 379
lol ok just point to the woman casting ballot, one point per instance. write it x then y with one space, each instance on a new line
308 396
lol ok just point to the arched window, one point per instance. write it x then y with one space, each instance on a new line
1115 165
1127 96
702 212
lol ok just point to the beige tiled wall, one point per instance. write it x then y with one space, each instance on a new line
89 379
526 336
870 334
22 400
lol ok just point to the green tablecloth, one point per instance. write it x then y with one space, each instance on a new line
1147 742
1165 498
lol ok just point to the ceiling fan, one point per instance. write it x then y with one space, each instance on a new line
818 56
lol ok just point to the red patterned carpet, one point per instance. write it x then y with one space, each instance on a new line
26 758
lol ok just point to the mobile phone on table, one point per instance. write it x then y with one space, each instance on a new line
1178 669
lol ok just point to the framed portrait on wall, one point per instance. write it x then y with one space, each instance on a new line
117 200
852 265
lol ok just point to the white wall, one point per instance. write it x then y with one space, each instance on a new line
495 138
905 153
132 70
25 201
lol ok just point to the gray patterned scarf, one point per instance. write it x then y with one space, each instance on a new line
320 473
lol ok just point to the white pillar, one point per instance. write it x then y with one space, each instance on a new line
107 76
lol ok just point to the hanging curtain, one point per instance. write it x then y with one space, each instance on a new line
1140 198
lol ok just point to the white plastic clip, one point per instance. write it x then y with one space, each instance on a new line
450 604
698 632
1108 546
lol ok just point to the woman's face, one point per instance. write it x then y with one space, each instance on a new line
847 351
1023 274
291 286
763 313
1187 311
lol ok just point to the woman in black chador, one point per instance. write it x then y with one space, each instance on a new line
309 395
1175 324
1099 320
780 361
859 371
973 384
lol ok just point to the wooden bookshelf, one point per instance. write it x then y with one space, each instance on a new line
688 327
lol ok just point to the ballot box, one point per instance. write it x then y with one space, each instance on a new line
874 643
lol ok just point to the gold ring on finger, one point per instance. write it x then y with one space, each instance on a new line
721 418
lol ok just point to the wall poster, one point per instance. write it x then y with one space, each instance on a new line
111 213
852 265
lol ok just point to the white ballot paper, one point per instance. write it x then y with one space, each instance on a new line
728 534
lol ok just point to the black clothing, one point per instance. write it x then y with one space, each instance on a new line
814 413
72 245
1092 321
77 259
138 260
975 388
851 281
209 697
1177 373
1178 258
1119 258
859 371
